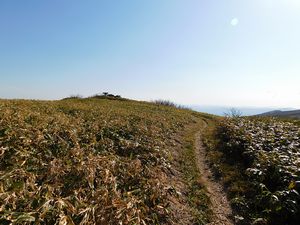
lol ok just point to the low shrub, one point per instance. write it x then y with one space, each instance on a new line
169 103
268 154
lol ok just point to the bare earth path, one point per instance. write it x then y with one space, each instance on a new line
220 205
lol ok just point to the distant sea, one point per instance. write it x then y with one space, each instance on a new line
246 111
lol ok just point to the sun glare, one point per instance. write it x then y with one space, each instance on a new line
234 22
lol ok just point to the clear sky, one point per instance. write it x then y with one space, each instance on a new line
211 52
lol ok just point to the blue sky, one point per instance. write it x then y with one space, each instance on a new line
235 53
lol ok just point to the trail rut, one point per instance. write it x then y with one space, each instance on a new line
219 203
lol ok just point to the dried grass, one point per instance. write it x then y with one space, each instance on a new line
85 161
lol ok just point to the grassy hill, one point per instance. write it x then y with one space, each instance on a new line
117 161
96 161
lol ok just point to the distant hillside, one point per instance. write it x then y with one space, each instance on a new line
279 113
246 111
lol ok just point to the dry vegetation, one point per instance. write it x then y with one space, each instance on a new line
87 161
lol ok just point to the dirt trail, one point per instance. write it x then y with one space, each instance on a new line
220 205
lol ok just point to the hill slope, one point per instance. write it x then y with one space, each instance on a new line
258 160
278 113
94 161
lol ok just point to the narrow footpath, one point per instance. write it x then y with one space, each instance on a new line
219 203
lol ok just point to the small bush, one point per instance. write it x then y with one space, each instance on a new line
106 95
73 97
169 103
233 113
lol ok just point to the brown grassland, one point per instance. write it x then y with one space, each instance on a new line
97 161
